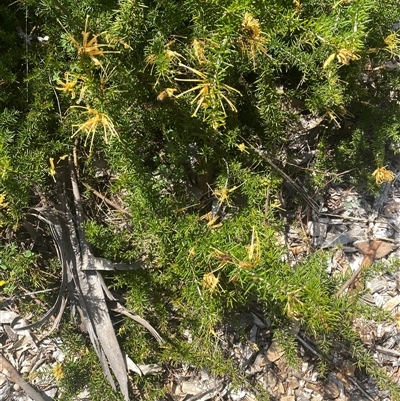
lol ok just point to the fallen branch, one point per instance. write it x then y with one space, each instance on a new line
81 277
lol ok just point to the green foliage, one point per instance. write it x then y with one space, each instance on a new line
81 371
19 267
174 97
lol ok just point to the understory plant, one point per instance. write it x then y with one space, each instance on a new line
187 122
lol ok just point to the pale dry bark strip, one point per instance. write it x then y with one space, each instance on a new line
81 276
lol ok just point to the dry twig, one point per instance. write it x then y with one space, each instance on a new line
105 199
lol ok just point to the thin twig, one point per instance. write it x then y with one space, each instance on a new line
350 282
34 297
300 190
106 200
26 294
57 99
308 346
360 388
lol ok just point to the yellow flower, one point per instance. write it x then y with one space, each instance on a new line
211 92
343 56
2 203
2 282
210 282
224 193
58 371
96 120
242 147
198 48
67 86
89 47
166 93
382 175
52 170
252 39
392 42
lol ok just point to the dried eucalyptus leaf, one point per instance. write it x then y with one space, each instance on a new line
132 366
342 238
6 317
151 369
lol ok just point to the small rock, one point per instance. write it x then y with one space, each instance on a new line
253 334
313 387
6 317
302 396
280 389
293 383
379 300
376 285
190 387
288 398
318 231
51 392
237 395
260 362
331 390
348 368
282 367
249 397
304 367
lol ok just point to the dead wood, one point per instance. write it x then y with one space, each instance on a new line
81 277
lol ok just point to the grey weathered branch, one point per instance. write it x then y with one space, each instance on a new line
81 277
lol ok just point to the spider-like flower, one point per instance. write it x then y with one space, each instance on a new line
52 170
242 147
198 49
89 47
382 175
58 371
68 86
3 204
252 39
210 282
166 93
210 90
89 127
393 43
344 56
